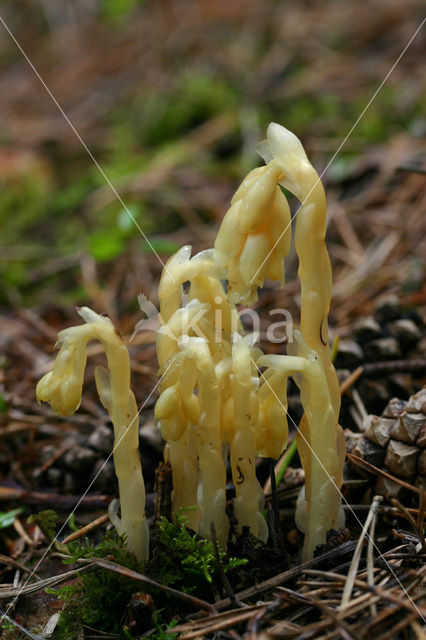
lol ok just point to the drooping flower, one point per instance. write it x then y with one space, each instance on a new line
255 234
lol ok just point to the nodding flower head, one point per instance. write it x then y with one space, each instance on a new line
255 234
285 150
62 387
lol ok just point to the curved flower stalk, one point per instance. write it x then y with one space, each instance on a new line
255 234
320 435
322 451
176 408
249 500
183 458
319 508
191 423
207 434
62 388
272 435
301 179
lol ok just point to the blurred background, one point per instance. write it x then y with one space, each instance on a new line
171 97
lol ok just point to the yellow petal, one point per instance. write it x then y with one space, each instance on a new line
254 259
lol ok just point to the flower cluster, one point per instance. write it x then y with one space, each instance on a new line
213 398
208 399
255 234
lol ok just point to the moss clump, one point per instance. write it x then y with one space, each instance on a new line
102 599
184 560
99 598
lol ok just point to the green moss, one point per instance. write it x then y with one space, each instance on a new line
99 598
161 634
184 560
9 632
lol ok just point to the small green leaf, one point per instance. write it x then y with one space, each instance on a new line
71 523
7 517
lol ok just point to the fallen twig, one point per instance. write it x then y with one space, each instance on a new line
417 526
308 599
14 563
373 368
52 499
89 527
129 573
379 472
383 593
290 574
46 583
216 622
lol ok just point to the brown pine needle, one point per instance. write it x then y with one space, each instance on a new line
89 527
379 472
353 570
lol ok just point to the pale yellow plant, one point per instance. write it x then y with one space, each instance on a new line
62 388
251 244
249 499
213 401
321 441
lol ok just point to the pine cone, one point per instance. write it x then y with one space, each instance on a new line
393 334
396 443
